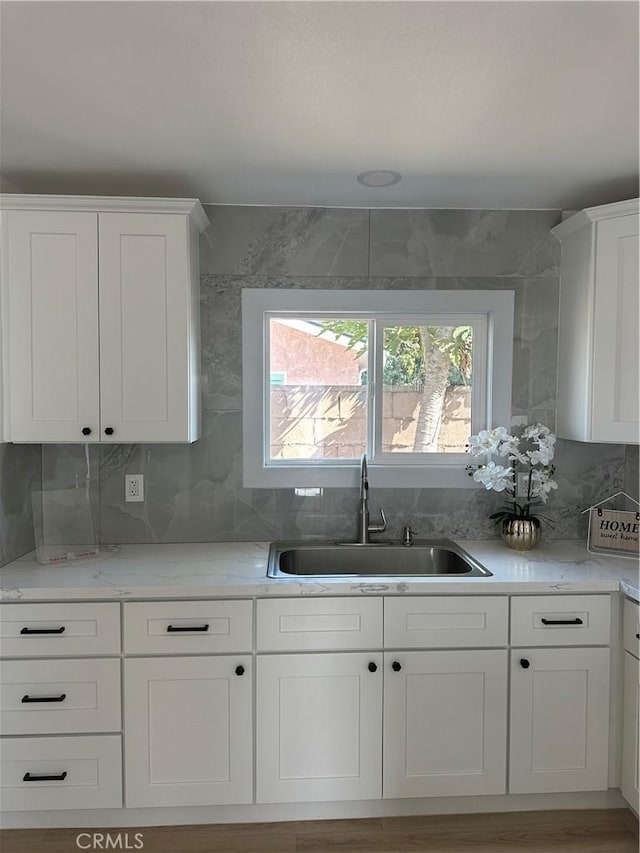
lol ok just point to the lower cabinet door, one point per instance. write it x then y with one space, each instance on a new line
630 732
45 773
319 725
445 723
559 720
188 725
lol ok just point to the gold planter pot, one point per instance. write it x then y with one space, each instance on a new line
521 534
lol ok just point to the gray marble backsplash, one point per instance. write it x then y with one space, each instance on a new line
20 475
632 472
195 493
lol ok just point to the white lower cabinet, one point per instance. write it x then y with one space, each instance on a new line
39 697
630 781
335 719
630 784
559 720
445 723
319 723
78 772
188 730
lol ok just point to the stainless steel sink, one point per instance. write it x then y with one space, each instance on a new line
333 559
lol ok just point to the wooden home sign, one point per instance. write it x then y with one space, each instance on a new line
614 530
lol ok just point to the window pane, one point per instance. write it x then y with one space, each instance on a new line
426 399
317 399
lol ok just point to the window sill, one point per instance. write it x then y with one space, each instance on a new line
440 475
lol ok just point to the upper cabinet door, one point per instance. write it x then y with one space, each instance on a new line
616 353
598 357
149 341
51 273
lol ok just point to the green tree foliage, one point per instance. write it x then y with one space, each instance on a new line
405 351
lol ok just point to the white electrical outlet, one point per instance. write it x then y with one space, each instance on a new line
133 488
522 485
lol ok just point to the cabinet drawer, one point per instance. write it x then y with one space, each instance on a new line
319 623
59 696
631 626
75 773
560 620
432 622
59 630
160 628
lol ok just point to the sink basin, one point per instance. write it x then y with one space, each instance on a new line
333 559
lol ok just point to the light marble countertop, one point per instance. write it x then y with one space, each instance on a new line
232 569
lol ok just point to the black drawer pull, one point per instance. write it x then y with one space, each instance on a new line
373 667
637 636
240 670
576 621
59 698
174 629
42 630
524 663
396 666
29 777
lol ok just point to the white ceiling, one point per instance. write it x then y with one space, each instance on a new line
477 104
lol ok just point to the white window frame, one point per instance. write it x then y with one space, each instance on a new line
489 311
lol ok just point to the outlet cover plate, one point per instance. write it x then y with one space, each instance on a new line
134 488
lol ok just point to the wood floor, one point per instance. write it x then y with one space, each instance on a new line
602 831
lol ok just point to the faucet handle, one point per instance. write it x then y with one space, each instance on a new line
379 528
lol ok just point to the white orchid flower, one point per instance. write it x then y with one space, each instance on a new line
536 431
541 484
481 443
542 456
493 476
509 446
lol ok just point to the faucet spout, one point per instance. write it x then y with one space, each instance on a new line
364 478
364 526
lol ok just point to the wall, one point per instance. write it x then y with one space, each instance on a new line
632 473
306 359
195 493
326 423
20 474
7 186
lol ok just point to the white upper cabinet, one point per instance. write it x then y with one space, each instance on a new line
149 328
51 281
101 316
598 355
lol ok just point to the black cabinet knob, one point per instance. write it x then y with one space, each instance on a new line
108 431
524 663
373 667
396 666
240 670
86 430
